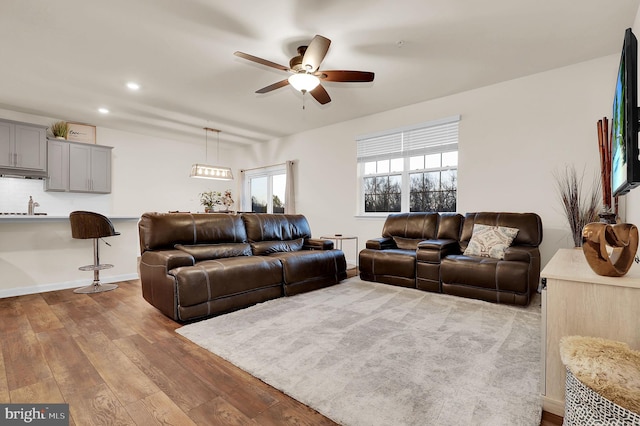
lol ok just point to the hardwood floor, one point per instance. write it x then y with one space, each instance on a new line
549 419
116 360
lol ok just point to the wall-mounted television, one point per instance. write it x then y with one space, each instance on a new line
625 164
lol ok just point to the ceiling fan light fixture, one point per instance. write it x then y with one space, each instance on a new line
306 72
304 82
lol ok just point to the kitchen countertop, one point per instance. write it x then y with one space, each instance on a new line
53 218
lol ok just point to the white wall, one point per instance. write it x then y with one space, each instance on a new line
513 136
152 174
149 174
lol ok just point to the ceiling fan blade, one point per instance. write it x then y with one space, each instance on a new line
273 86
315 53
320 94
261 61
346 76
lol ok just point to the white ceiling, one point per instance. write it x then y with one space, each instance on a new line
65 58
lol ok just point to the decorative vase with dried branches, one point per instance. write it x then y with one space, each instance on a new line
609 203
581 204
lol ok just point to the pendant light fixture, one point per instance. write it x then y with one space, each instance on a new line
211 172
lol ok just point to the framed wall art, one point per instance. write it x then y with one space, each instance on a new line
79 132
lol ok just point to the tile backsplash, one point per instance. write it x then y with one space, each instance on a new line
15 192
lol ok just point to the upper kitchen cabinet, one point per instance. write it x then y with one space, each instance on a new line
89 168
23 149
78 167
58 166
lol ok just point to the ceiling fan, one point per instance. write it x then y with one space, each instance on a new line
305 75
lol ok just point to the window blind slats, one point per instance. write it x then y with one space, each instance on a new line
380 146
430 138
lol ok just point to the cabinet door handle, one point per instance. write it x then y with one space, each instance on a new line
15 158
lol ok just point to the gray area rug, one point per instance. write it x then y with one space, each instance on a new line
363 353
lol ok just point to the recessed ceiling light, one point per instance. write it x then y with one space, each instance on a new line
103 110
133 85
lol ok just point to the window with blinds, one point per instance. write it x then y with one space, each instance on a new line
410 169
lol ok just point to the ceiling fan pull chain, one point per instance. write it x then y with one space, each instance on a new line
304 92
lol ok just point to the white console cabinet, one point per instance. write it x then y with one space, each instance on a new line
577 301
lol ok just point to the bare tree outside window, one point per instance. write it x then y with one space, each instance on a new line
269 187
259 191
278 205
429 192
410 169
258 206
383 193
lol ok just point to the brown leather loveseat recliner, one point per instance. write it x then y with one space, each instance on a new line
426 251
198 265
392 259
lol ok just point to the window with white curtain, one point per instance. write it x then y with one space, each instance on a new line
264 189
409 169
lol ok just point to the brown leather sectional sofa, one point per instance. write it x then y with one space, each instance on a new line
198 265
426 251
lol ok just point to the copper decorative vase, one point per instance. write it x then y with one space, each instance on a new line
622 238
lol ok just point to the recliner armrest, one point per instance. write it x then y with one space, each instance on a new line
169 259
381 243
439 245
434 250
317 244
521 253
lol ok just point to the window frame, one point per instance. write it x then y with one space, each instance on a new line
269 172
396 144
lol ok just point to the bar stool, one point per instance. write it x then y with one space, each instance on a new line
90 225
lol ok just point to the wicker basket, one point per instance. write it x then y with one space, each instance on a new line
585 407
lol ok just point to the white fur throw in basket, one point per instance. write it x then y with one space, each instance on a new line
603 382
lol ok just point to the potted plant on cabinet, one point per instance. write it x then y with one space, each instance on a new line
59 129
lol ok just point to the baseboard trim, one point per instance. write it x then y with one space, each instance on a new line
553 406
43 288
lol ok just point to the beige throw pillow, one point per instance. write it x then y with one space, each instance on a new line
490 241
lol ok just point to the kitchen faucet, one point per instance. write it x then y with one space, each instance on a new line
32 206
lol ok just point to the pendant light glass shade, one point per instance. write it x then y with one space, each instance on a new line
304 82
211 172
206 171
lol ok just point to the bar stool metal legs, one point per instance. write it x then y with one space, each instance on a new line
90 225
97 286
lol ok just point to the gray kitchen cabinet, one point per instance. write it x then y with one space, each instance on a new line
89 168
58 166
79 167
23 149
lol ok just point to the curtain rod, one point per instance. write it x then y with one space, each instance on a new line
266 167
